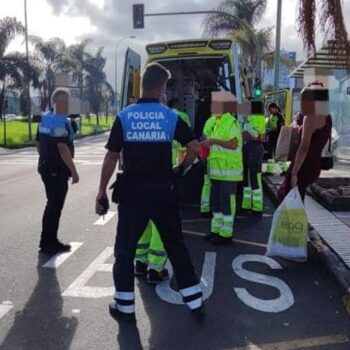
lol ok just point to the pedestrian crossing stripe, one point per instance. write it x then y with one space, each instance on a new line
58 259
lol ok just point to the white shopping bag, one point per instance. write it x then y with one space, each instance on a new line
287 143
288 234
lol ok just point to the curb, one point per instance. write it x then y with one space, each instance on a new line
32 144
322 250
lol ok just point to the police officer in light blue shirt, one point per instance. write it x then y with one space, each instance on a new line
56 151
145 132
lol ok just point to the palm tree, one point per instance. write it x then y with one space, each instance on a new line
14 67
50 57
107 95
75 61
237 18
244 38
222 23
95 81
269 61
331 23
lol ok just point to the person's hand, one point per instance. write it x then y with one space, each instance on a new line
235 143
99 208
75 177
294 181
207 143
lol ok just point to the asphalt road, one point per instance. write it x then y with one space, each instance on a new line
253 302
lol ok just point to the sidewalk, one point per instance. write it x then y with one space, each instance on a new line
330 234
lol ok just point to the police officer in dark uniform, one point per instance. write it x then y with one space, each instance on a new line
55 146
274 126
144 133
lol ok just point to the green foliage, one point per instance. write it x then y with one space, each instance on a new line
17 131
52 57
224 24
15 69
49 58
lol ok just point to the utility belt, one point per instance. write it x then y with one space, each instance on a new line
46 167
129 186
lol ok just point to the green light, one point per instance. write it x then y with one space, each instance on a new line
258 92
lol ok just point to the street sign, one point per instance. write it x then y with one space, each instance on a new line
138 14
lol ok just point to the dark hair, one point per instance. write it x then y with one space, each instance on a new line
311 93
173 102
273 105
154 76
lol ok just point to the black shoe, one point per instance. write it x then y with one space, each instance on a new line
208 215
199 312
55 248
154 277
140 268
120 316
210 236
222 240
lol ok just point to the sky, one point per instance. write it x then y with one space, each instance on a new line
107 21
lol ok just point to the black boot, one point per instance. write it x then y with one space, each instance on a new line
154 277
222 240
120 316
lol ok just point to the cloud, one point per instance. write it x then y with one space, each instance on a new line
112 20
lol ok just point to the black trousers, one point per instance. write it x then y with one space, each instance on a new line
253 154
272 138
141 203
56 188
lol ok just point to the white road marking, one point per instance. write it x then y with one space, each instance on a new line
166 293
59 259
79 288
252 346
5 307
282 303
103 220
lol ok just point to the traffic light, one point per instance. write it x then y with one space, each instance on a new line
138 13
257 88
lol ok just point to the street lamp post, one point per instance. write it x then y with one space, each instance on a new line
27 78
116 70
278 46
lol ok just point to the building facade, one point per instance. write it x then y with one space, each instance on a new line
284 80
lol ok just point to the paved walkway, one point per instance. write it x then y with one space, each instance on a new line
332 226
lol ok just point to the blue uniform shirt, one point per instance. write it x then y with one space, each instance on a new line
145 132
54 129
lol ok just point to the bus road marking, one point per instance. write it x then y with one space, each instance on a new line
104 219
5 307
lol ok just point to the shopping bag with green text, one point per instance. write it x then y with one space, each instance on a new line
288 234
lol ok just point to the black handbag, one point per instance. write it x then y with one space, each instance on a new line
327 163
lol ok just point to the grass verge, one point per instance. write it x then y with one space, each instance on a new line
17 132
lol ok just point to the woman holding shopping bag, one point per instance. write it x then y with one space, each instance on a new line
306 166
